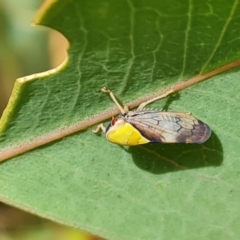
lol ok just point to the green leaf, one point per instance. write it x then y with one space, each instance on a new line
155 191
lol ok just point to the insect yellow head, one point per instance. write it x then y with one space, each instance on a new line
121 132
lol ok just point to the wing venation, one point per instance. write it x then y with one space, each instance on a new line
169 127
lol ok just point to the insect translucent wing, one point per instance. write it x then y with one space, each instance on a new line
169 127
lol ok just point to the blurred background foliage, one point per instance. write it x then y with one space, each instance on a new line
26 50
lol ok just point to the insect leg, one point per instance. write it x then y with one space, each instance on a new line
144 104
124 109
99 128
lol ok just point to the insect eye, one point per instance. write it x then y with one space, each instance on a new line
114 121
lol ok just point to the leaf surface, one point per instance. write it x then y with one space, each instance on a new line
148 192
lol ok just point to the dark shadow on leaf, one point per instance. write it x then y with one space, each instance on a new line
163 158
170 99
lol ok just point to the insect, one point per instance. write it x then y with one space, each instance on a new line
144 126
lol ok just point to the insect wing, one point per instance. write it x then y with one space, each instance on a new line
169 127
